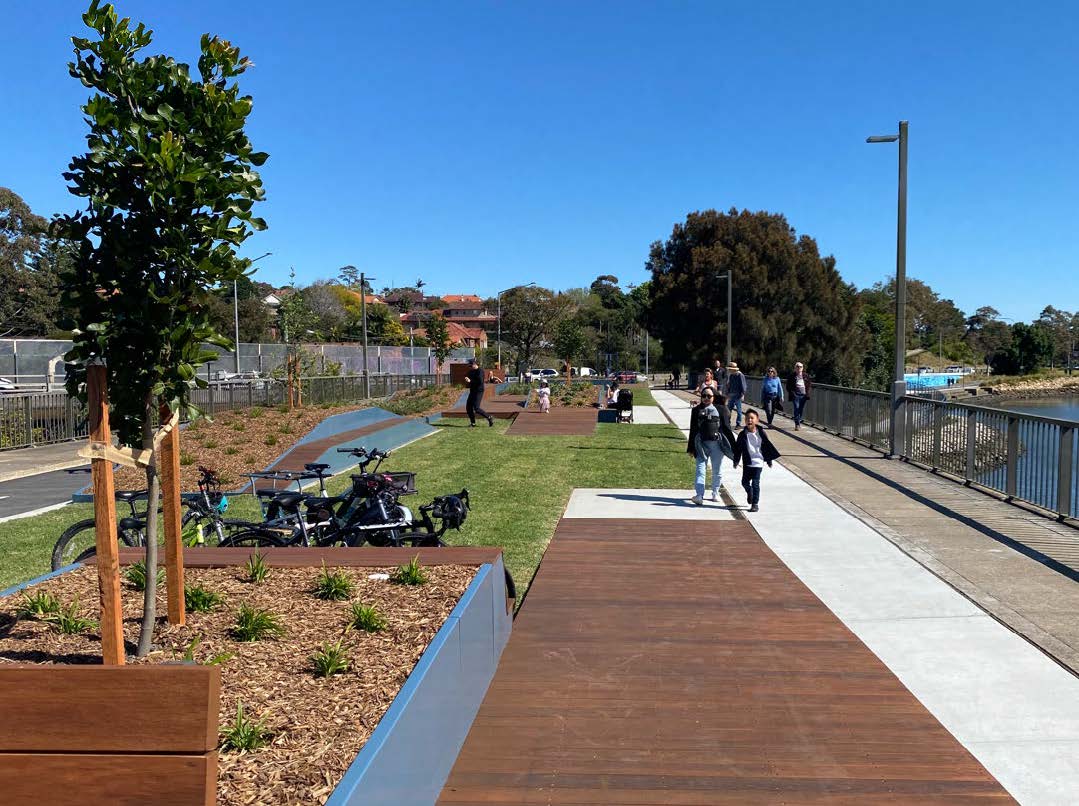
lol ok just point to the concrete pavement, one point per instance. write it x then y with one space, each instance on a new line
23 462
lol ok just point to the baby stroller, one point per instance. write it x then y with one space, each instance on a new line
624 409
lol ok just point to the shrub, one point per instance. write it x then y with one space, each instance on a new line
256 568
186 458
410 574
271 440
255 624
285 429
41 605
201 600
239 426
216 660
231 451
244 733
366 618
136 575
255 412
68 620
330 659
333 586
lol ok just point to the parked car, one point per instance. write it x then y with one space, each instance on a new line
628 376
7 385
541 374
583 372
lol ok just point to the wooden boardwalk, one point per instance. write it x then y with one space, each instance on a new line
683 663
562 421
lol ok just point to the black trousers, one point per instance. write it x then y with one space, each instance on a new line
751 483
770 408
472 407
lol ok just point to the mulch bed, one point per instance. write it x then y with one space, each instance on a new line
319 724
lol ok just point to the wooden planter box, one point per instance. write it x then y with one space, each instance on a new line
149 733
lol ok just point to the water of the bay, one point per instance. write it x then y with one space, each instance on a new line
1061 408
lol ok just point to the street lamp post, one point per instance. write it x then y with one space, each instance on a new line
499 296
363 315
730 309
236 314
899 384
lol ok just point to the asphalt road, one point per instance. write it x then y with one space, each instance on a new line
36 492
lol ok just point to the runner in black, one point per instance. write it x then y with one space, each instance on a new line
474 379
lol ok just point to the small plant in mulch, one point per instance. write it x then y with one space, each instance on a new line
231 451
68 620
285 429
256 568
135 574
410 574
40 605
270 440
201 600
244 733
186 459
239 426
333 586
255 624
251 459
330 659
255 412
214 660
366 618
210 444
282 409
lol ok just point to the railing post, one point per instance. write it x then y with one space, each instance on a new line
972 443
1065 463
938 429
1012 461
28 416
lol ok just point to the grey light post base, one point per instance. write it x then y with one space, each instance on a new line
898 430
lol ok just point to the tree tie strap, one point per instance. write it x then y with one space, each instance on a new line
129 457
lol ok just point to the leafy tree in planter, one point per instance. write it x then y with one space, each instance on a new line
569 342
169 183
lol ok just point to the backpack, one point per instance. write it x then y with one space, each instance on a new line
710 428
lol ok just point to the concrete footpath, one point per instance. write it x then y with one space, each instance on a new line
1009 703
23 462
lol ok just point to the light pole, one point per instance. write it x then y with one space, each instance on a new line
899 383
363 315
236 313
499 295
730 310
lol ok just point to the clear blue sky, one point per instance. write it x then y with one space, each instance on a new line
481 144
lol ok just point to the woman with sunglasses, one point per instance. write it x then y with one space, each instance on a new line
710 439
772 394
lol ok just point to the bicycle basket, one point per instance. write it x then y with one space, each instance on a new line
403 482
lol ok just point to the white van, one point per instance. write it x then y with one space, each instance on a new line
584 372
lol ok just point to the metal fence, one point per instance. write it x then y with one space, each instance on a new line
1022 456
44 418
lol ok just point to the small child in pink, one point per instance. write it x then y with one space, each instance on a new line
544 395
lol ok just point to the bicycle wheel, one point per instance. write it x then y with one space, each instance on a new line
253 538
79 541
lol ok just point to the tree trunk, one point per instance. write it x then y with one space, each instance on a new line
149 599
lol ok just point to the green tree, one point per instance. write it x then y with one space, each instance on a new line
438 337
789 302
169 185
569 341
529 314
29 262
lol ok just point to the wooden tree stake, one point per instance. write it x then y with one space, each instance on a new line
108 564
169 469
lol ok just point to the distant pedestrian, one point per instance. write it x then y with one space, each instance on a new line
475 380
735 390
710 439
754 450
708 382
677 375
544 395
612 395
800 388
720 374
771 394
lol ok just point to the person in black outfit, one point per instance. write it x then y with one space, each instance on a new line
474 380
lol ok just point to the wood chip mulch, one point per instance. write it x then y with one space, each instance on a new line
319 724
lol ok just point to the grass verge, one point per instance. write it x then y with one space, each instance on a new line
519 487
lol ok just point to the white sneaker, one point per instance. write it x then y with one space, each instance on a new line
715 495
697 500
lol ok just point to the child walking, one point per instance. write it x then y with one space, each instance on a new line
755 450
544 395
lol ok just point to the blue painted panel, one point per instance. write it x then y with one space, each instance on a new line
502 618
346 421
23 585
387 439
411 752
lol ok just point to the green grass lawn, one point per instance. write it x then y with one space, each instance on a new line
519 487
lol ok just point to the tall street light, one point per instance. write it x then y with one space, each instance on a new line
236 313
500 293
730 310
363 315
899 384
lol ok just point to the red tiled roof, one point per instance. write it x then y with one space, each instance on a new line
456 299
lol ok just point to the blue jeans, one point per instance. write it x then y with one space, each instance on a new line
735 405
751 483
799 404
710 450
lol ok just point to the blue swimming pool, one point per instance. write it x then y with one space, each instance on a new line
930 380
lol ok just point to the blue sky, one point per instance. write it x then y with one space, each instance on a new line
478 145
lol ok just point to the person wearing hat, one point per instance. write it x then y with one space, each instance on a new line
474 381
735 391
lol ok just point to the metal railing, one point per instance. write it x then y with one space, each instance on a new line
1024 457
45 418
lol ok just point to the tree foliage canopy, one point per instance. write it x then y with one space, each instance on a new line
29 261
789 302
169 184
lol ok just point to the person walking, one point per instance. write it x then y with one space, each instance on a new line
754 450
710 439
735 391
475 380
544 396
708 382
799 387
720 374
771 394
